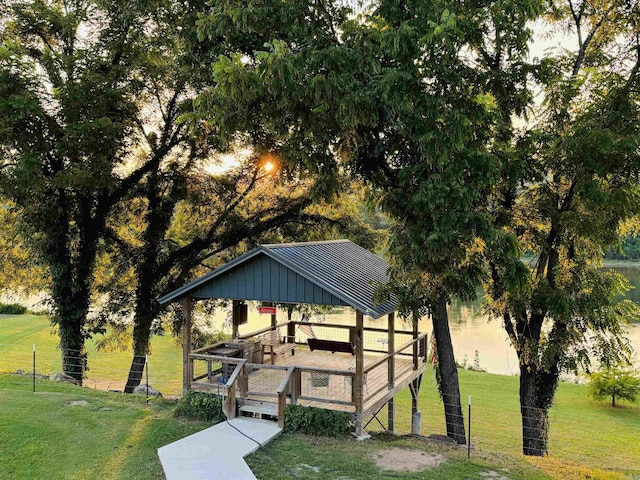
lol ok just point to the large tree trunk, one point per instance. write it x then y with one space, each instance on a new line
71 279
535 420
70 329
145 312
141 337
158 219
448 373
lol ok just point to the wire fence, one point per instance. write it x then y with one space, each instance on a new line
493 422
100 370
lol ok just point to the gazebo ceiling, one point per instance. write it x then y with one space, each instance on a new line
337 272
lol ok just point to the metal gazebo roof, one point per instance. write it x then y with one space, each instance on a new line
337 272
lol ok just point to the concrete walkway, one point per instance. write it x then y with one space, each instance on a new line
217 453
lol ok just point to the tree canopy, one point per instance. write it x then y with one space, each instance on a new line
421 101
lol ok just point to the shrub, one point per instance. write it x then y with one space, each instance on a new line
200 406
315 421
615 383
12 309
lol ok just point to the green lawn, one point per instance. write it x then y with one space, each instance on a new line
113 436
107 370
583 431
302 456
587 437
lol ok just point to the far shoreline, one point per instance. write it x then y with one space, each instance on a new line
621 263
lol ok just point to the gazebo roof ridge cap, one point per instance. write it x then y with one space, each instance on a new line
299 244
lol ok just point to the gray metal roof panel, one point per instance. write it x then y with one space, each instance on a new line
347 269
340 267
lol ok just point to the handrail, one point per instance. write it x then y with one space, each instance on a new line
236 372
199 356
267 366
285 380
262 330
320 324
339 325
378 362
207 347
397 351
346 373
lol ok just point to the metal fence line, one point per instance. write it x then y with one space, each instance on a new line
507 437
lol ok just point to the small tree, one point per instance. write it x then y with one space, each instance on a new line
613 382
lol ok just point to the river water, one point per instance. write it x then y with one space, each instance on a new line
471 330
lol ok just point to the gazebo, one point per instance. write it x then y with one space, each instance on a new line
351 368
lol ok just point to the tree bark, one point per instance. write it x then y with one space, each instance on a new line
158 219
448 373
535 420
71 278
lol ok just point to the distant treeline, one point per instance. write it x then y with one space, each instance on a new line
629 249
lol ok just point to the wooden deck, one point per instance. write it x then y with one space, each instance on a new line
328 390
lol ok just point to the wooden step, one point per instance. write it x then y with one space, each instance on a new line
258 407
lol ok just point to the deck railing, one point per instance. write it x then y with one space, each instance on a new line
236 377
374 340
400 362
221 375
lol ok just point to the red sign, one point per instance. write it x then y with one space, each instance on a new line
267 310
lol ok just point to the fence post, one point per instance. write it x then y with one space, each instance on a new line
34 368
146 369
469 437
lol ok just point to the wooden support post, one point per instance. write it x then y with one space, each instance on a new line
273 322
187 365
391 369
234 318
415 384
358 379
416 349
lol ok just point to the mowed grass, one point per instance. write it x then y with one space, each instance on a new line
107 370
112 436
303 456
54 434
588 438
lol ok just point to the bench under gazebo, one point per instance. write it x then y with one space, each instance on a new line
350 367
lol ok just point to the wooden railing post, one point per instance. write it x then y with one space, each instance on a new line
391 370
230 402
296 386
244 381
391 344
282 405
285 385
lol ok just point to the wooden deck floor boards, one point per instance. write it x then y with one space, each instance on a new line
335 387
